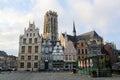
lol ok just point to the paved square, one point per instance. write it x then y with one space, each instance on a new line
49 76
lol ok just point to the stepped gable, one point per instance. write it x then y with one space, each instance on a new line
88 35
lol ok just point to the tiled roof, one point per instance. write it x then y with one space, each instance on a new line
89 35
85 36
69 37
2 53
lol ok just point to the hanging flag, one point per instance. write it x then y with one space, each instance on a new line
91 63
87 63
78 63
81 64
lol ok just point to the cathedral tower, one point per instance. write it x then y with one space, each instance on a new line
50 26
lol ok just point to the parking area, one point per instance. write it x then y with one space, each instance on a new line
15 75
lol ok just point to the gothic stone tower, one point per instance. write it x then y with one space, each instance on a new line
50 26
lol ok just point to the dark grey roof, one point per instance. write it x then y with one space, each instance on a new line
70 37
2 53
89 35
84 36
117 51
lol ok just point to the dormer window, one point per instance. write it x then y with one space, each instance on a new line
27 34
24 40
30 29
30 40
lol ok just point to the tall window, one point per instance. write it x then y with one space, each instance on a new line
66 57
22 58
24 40
22 65
78 57
82 44
82 51
73 57
70 57
35 65
29 57
85 51
27 34
23 49
30 29
78 51
28 65
36 49
35 40
30 40
29 49
36 57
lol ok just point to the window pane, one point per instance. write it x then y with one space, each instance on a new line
28 65
35 40
82 44
82 51
23 49
21 65
36 57
35 65
36 49
85 51
22 57
78 51
29 49
30 40
29 57
24 40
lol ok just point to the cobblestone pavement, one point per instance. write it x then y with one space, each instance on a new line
50 76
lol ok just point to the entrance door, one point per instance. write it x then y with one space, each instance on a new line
46 65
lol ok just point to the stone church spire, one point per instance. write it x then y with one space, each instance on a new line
50 26
74 30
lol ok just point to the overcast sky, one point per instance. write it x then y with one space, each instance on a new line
103 16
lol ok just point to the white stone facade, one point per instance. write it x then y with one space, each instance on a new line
58 52
29 49
58 57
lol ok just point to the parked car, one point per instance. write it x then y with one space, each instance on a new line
0 68
4 68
